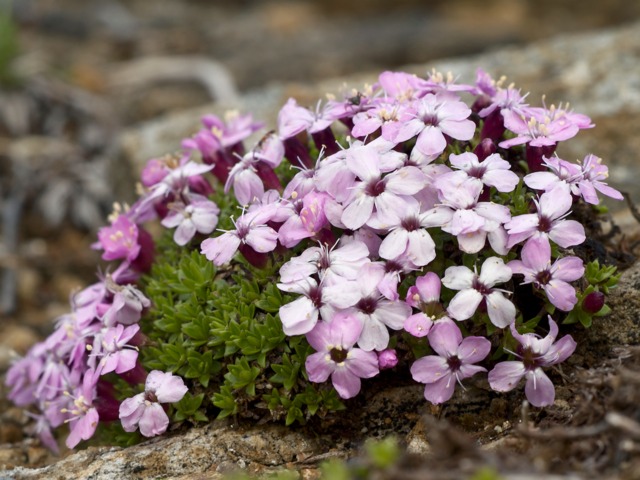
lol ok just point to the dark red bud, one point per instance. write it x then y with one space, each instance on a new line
485 148
593 302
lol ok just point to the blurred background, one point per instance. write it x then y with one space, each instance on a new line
78 76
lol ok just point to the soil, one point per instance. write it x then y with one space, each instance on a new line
60 174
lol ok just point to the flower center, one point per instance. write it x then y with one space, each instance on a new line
375 188
338 355
392 266
454 363
315 295
324 261
530 359
150 397
242 231
476 172
544 224
543 277
430 119
410 224
481 287
367 305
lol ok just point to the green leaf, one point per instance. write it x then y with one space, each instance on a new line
383 454
225 401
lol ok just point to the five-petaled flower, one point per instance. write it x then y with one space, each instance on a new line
145 411
533 353
336 357
454 361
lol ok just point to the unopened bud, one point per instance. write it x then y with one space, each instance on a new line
593 302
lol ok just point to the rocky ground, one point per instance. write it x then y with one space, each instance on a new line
85 109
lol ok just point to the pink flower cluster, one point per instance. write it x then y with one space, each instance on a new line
420 170
412 191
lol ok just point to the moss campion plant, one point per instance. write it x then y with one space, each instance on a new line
419 223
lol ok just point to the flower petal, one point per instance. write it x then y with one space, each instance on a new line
299 316
501 311
444 338
319 366
346 383
505 376
473 349
539 389
464 304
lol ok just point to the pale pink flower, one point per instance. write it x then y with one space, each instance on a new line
553 278
113 349
435 116
549 222
493 171
474 288
453 363
84 417
335 356
376 193
318 301
251 229
534 353
200 215
594 173
375 311
144 410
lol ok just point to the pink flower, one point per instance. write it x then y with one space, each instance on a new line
251 229
375 311
218 134
560 172
144 410
453 363
330 265
540 127
84 416
387 359
200 215
493 171
336 357
120 240
294 119
435 116
307 218
154 171
375 192
534 353
401 86
318 301
475 288
382 113
112 345
549 222
593 175
537 269
425 296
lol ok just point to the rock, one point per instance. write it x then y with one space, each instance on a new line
207 451
622 327
18 337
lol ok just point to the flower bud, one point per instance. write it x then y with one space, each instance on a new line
593 302
387 359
